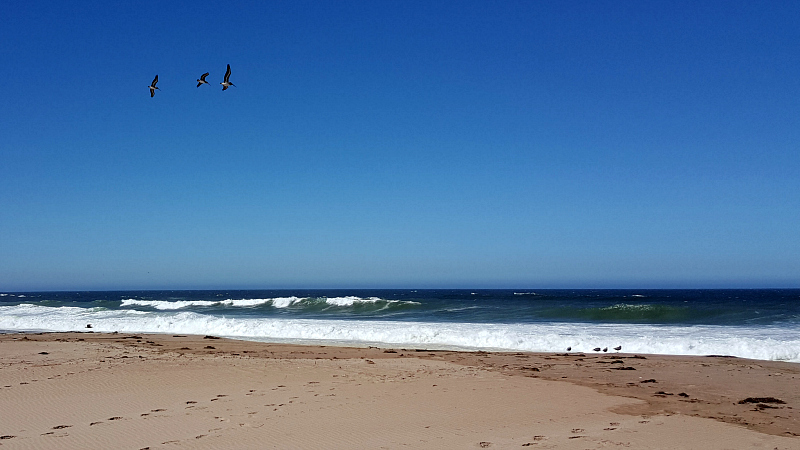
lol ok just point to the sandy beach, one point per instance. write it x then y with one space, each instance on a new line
93 390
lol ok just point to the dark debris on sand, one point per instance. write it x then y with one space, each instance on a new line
762 400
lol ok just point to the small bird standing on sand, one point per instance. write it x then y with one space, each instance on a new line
597 349
225 84
605 349
153 87
202 79
569 349
618 348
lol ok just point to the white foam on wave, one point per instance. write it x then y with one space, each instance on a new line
629 307
350 300
766 343
277 302
284 302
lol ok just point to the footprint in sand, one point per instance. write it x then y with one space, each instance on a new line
535 438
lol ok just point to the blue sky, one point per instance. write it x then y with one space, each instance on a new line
400 144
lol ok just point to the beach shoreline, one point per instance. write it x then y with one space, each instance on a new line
159 390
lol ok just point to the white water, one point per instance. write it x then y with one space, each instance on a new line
768 343
278 302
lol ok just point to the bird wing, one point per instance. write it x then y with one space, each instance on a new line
228 73
152 93
198 84
224 87
155 80
203 76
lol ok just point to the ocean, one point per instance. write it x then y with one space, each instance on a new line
752 323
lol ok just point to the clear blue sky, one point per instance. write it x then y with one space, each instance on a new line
400 144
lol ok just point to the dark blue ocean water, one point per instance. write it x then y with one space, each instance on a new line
760 323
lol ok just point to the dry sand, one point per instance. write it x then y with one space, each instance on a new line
121 391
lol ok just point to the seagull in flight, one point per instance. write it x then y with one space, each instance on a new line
225 84
153 87
202 79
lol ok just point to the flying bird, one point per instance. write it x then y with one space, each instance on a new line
225 84
153 87
202 79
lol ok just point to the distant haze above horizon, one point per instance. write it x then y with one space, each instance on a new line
410 144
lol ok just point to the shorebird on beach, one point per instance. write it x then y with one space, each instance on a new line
225 84
202 79
153 87
618 348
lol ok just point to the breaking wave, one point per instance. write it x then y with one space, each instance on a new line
764 342
277 302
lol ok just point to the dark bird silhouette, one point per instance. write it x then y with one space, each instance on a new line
225 84
569 349
618 348
153 87
597 349
605 349
202 79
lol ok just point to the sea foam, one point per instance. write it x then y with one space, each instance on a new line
767 343
277 302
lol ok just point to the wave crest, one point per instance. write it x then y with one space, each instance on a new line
277 302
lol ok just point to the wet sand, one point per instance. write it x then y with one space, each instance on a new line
92 390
